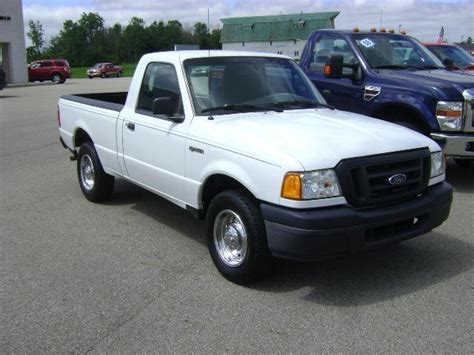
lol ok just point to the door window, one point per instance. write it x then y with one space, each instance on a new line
46 64
327 46
160 80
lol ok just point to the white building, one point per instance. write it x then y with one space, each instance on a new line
281 34
12 41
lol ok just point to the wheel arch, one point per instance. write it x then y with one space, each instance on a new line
217 183
391 111
81 137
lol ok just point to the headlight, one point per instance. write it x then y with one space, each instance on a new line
311 185
449 115
437 164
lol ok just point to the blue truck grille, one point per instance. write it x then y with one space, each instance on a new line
384 178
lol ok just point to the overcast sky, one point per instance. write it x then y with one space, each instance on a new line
420 18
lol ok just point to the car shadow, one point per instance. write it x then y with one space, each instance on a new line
158 208
462 178
375 276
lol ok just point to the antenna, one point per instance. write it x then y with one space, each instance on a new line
209 81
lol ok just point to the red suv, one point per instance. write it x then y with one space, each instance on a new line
56 70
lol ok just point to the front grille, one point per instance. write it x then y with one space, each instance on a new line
366 181
468 110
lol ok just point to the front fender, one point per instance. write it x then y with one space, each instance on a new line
424 107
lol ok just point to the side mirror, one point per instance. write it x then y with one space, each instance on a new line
163 106
333 69
166 106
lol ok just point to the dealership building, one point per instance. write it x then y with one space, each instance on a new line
281 34
12 41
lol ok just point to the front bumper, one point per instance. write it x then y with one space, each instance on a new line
456 145
314 234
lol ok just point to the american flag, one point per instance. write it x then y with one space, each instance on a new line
441 35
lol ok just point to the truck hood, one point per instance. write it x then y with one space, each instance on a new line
447 85
309 139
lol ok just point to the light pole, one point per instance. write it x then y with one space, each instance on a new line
399 28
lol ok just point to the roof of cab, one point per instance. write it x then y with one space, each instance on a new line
183 55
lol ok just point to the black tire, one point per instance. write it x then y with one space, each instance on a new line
90 76
96 184
103 76
257 261
465 163
119 74
57 78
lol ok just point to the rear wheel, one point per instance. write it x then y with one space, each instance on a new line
95 183
56 78
103 76
236 237
119 74
90 76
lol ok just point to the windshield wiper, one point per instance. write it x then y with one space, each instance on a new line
241 108
302 103
431 66
400 66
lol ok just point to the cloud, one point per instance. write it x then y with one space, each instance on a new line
421 19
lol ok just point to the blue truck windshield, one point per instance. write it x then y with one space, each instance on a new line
223 84
385 51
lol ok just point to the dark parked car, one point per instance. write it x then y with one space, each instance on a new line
452 56
56 70
3 81
104 70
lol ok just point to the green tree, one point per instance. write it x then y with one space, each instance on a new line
36 35
215 39
135 40
201 34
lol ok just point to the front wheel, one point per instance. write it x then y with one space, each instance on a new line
236 238
95 183
57 78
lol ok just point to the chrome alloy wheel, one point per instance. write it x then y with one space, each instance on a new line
230 238
87 172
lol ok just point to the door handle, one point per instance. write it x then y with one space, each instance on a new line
130 126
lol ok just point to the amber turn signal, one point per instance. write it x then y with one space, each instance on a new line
292 186
327 70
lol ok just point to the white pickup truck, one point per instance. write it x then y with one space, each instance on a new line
245 141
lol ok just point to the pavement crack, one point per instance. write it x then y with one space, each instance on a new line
28 150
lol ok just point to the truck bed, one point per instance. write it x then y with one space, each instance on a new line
108 100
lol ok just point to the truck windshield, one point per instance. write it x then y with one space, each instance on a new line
386 51
223 84
458 55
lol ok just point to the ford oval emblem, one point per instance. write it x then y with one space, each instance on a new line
397 179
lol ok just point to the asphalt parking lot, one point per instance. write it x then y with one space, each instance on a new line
134 275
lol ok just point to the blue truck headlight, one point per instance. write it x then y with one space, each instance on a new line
449 115
438 166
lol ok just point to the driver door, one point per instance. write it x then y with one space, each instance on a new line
154 145
345 93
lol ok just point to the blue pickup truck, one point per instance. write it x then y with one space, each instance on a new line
394 77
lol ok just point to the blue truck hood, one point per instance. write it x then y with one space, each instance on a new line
445 85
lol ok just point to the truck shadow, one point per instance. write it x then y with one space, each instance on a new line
462 179
360 279
375 276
